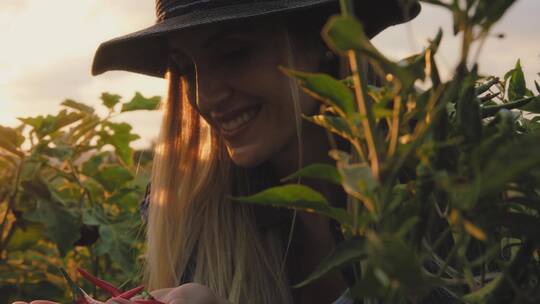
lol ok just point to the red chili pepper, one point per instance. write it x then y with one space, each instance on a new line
131 293
100 283
148 302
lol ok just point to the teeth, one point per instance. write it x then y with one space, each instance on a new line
239 120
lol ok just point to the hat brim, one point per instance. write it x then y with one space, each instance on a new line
145 51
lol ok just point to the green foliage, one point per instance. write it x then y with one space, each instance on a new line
69 197
443 182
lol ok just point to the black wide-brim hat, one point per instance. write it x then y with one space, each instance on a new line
146 51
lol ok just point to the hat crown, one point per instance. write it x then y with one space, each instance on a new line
170 8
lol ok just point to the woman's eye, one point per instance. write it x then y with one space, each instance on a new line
235 54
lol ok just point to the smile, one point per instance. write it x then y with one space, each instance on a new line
232 122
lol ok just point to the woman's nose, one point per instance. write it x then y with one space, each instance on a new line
212 90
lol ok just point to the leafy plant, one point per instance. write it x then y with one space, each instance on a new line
69 195
442 183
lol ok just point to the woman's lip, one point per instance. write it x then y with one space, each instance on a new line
230 115
231 134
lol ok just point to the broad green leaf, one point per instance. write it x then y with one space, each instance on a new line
62 226
113 177
115 240
46 125
297 197
517 86
78 106
110 100
357 179
327 89
139 102
344 254
126 198
120 138
11 140
344 33
91 166
26 237
333 124
324 172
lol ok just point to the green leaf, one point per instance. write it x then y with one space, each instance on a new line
78 106
113 177
139 102
480 296
333 124
51 123
507 163
344 254
62 226
120 139
469 121
91 166
517 87
532 104
26 237
115 240
324 172
110 100
11 140
345 33
357 179
297 197
327 89
126 199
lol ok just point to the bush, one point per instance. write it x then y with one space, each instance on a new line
69 196
443 184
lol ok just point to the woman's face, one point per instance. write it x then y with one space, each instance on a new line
236 85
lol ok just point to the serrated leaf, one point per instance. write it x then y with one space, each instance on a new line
327 89
120 139
115 240
25 238
91 166
62 226
297 197
113 177
139 102
324 172
345 253
78 106
11 140
110 100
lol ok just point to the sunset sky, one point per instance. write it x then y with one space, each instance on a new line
47 49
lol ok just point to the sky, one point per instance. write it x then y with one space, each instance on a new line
47 47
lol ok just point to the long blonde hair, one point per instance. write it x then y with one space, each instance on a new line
193 229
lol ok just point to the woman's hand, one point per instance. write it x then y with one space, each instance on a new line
190 293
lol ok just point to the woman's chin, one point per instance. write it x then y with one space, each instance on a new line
246 156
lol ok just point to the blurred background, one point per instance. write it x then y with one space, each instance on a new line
47 49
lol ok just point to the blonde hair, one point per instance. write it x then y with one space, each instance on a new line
193 223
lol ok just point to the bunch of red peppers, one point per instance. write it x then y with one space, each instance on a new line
81 298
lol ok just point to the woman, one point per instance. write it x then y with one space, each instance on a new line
231 127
